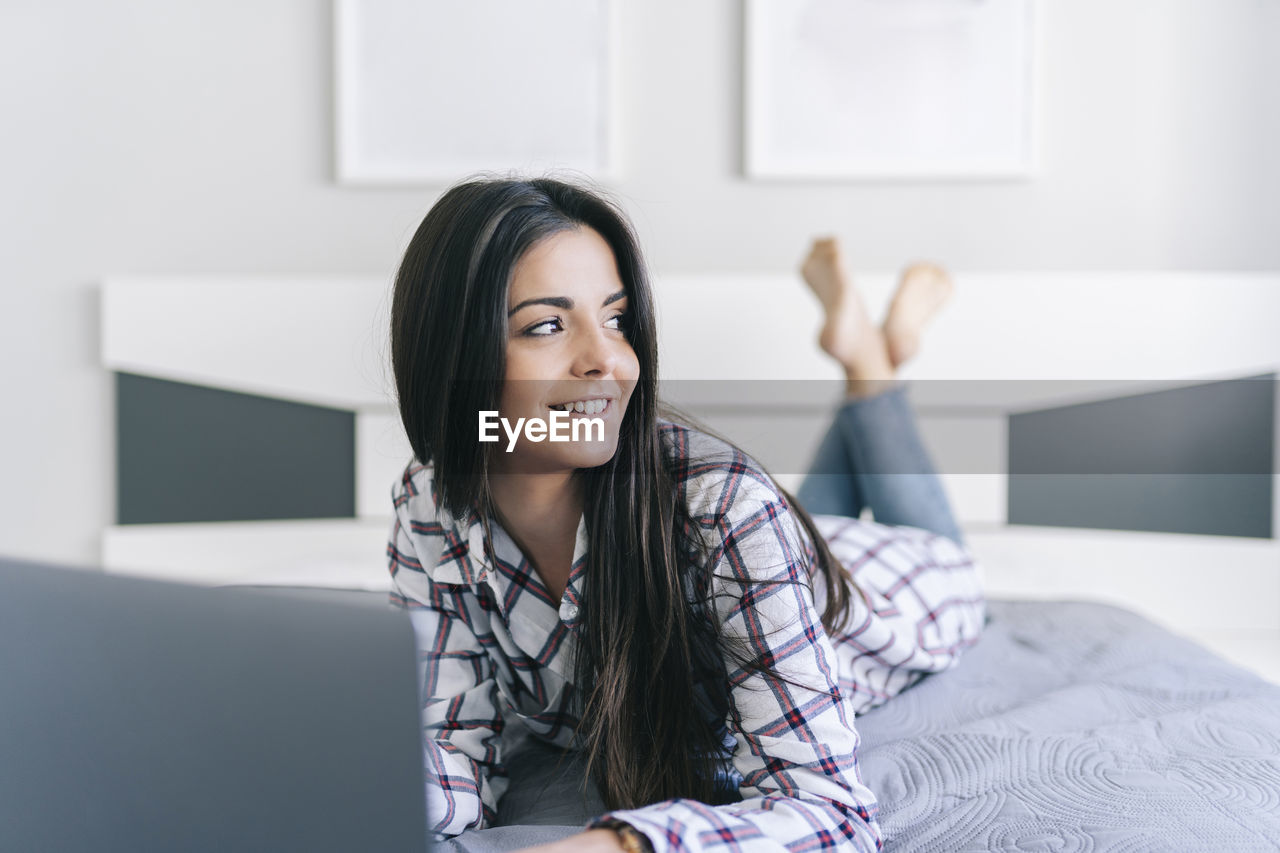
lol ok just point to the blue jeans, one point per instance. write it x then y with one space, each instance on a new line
873 457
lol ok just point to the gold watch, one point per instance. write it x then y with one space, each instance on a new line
629 837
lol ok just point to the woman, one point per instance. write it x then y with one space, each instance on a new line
650 596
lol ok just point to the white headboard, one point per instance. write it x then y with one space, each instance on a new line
322 340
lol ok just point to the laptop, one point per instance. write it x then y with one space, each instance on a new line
143 715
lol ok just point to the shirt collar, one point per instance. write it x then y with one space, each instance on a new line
464 560
461 558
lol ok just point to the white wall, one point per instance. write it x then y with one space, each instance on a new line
151 137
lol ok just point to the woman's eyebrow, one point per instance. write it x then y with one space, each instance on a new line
561 302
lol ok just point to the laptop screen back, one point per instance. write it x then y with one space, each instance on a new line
141 715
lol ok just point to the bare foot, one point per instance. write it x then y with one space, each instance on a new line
847 335
922 290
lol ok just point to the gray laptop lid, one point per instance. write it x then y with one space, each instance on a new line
140 715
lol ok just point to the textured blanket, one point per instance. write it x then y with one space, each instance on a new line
1070 726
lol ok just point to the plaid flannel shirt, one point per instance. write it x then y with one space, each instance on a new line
490 635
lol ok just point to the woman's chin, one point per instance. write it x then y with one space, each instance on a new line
564 457
590 454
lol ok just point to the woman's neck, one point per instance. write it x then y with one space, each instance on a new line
541 513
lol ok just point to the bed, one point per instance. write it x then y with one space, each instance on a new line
1071 726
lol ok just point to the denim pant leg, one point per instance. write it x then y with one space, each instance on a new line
872 456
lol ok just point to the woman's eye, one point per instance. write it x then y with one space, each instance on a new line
546 327
617 321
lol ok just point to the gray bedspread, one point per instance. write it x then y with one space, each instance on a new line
1070 726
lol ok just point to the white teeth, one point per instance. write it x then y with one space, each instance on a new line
589 407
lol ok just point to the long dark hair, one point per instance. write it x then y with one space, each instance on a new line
649 646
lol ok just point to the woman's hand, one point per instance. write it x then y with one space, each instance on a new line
602 840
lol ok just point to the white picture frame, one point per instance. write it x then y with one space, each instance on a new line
431 91
891 89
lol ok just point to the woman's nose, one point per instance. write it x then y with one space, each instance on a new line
595 356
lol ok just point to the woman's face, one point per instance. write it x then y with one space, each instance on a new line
566 345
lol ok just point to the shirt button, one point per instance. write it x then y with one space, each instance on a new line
569 611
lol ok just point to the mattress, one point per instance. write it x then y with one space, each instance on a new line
1071 726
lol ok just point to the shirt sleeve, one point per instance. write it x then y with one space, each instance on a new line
461 719
797 748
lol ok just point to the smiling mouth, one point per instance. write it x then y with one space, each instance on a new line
595 406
